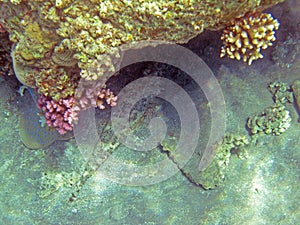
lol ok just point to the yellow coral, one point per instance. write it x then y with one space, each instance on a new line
57 82
247 36
86 32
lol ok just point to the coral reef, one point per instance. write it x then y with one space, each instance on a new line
273 120
245 37
57 82
84 32
58 114
63 113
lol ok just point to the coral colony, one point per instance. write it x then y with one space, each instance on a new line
56 44
58 114
247 36
62 114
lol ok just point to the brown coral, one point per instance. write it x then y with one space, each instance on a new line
245 37
57 82
67 32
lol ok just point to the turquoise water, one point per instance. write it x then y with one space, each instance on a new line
260 185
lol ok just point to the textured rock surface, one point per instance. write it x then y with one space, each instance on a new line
72 31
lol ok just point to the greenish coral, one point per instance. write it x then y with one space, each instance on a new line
273 120
215 173
281 91
34 43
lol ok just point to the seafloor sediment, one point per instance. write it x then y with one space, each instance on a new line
56 186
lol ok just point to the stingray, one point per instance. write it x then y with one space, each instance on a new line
33 133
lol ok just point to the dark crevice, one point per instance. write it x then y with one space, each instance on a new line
186 175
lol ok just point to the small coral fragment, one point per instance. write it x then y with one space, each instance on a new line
281 91
245 37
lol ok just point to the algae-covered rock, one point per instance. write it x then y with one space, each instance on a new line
214 175
296 91
51 182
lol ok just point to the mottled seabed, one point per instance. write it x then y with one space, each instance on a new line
56 185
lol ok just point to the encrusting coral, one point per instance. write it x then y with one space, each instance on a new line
51 38
247 36
93 30
56 82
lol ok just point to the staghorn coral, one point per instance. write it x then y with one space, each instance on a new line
92 30
245 37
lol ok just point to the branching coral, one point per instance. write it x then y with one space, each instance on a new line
94 95
247 36
92 30
63 113
58 114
